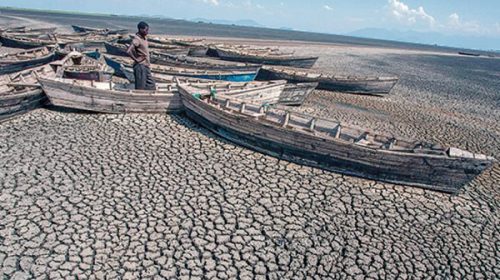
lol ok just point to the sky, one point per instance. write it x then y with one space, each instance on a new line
472 20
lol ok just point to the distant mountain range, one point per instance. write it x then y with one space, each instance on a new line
243 22
431 38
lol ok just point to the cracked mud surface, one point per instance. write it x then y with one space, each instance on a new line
156 196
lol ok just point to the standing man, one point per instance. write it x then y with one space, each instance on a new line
139 52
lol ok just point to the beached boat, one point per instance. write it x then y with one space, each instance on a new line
110 97
116 63
265 57
10 41
79 66
121 49
196 48
200 62
469 53
104 97
10 63
89 40
20 92
25 29
333 146
349 84
84 29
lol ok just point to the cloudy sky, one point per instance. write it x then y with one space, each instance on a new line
473 19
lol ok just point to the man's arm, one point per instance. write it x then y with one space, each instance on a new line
131 53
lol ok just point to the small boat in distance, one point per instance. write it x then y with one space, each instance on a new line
333 146
469 53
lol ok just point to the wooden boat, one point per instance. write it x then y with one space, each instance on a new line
200 62
195 47
25 42
84 29
121 49
116 63
265 57
332 146
103 97
79 66
349 84
25 29
109 97
469 53
88 39
14 62
20 92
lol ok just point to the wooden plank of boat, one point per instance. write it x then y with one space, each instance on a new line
20 92
269 58
103 97
226 75
332 146
200 62
348 84
296 94
24 42
10 63
79 66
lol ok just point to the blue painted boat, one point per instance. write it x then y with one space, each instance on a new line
116 62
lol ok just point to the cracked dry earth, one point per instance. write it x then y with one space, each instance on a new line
156 196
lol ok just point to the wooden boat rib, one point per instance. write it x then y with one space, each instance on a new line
24 42
349 84
333 146
14 62
79 66
232 76
20 92
295 94
200 63
265 57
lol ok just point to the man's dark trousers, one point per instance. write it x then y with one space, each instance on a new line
143 78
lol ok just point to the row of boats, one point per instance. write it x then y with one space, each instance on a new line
223 95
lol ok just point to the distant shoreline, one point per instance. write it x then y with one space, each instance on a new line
191 28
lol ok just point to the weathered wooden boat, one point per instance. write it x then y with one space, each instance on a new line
78 28
266 57
20 92
121 49
332 146
79 66
469 53
25 29
14 62
200 62
196 48
116 62
349 84
104 97
88 39
25 42
109 97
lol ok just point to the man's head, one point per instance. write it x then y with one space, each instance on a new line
143 28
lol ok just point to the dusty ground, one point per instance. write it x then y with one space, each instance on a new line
139 196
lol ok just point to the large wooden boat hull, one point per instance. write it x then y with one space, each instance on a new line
13 42
108 100
201 63
12 105
300 62
431 172
114 50
25 64
357 85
